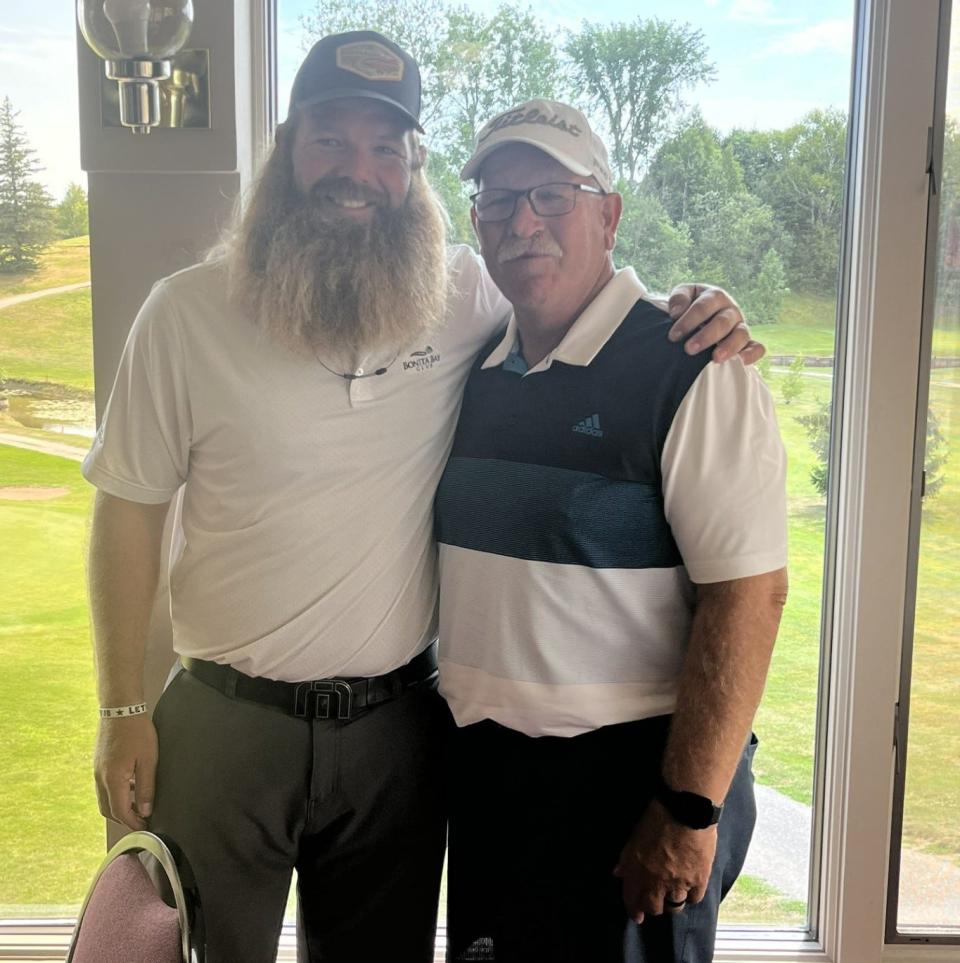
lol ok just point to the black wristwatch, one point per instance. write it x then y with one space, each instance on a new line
687 808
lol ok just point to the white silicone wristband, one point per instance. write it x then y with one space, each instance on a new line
121 712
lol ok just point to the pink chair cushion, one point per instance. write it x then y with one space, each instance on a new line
126 921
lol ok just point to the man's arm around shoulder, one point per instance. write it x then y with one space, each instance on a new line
125 544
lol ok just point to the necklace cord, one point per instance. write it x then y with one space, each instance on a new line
349 376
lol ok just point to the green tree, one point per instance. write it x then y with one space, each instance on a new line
735 239
792 386
72 213
491 64
445 179
936 455
763 300
633 75
765 367
817 427
26 223
798 172
692 167
948 271
758 152
648 241
731 237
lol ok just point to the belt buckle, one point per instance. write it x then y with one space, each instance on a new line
324 693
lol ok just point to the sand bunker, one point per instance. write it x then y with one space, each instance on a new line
32 494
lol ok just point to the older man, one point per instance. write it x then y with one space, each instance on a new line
302 392
612 531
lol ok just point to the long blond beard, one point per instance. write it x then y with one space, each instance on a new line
325 286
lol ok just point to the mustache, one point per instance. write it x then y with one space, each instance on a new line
538 245
344 189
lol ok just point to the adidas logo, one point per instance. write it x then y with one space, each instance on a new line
589 426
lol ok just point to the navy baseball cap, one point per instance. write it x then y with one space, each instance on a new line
361 63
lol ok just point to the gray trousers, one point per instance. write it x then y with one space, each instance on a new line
250 793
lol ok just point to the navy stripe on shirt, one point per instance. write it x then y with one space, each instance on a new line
548 514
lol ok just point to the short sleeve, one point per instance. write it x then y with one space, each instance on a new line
476 300
497 306
142 448
724 477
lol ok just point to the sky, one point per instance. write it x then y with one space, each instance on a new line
775 60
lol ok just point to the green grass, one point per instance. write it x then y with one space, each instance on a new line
753 901
47 701
946 344
45 785
806 326
48 340
808 322
64 262
787 716
933 758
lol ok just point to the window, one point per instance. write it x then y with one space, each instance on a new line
47 704
892 105
927 854
736 176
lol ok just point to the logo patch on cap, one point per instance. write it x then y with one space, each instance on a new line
370 60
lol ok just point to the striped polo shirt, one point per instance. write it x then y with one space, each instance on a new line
582 500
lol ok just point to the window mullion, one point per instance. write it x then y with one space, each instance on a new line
887 228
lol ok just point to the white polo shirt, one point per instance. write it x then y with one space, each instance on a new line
581 499
307 508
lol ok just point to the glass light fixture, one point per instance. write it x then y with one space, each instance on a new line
137 39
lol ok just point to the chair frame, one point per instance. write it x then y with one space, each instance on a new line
167 855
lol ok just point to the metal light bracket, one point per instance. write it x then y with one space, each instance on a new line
160 93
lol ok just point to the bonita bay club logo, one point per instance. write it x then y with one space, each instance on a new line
421 360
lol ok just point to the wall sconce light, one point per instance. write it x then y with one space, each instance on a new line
137 39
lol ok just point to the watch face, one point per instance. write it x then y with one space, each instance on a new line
689 808
701 810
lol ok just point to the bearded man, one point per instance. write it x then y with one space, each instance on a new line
301 390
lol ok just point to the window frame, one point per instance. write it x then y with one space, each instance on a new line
894 104
872 467
893 934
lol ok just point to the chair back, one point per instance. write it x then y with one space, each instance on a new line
125 918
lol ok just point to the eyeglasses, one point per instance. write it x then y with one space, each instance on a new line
547 200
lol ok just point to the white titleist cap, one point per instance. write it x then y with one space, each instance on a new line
557 129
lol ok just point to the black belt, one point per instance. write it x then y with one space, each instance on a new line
338 698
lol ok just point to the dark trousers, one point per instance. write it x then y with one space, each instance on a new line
536 828
356 807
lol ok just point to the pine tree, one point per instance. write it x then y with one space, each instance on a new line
764 298
792 386
26 209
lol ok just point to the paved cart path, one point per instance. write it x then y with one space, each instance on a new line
780 856
46 292
58 448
